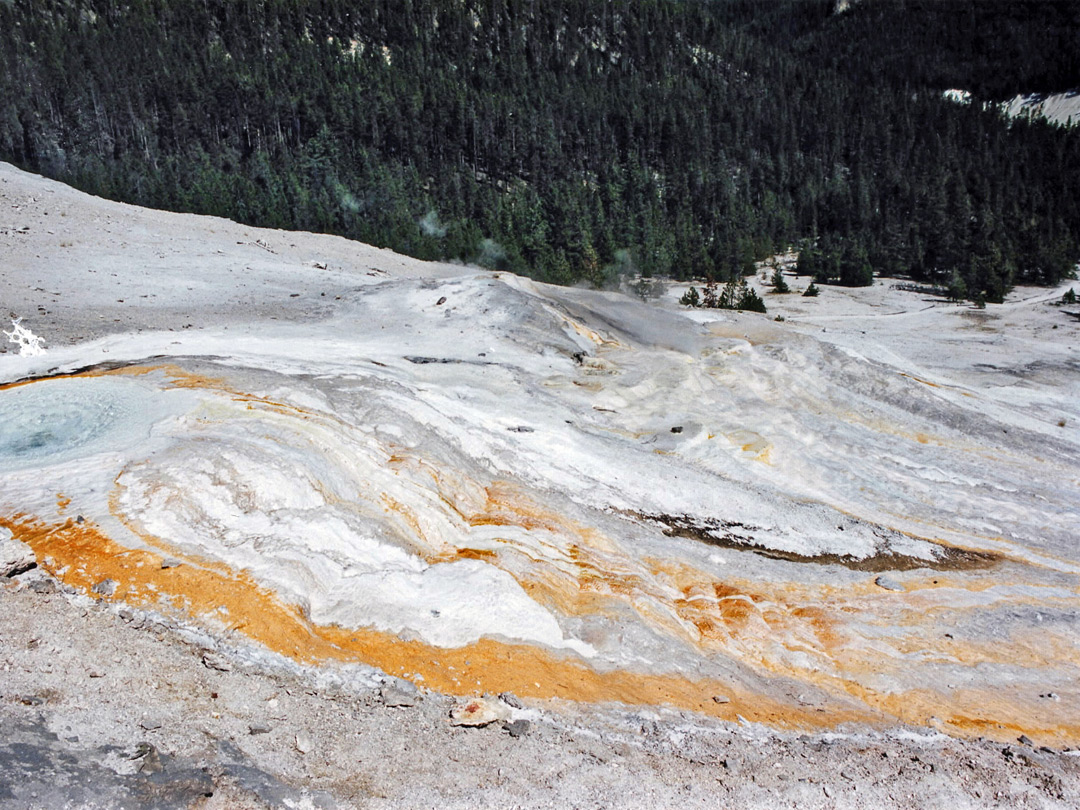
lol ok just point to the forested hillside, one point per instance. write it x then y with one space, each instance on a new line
562 140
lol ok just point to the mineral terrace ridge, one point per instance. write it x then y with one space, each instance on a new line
295 501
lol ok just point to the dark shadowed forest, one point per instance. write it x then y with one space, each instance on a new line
572 141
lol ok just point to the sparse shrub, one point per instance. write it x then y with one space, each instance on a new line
691 298
812 291
957 288
709 298
737 294
749 299
647 288
1069 297
730 296
779 285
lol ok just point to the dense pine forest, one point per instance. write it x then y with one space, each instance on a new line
572 140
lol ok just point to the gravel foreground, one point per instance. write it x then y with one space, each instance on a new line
106 707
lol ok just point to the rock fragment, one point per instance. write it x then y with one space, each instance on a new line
396 697
213 660
43 585
258 728
304 744
511 700
517 728
150 760
888 583
721 699
107 587
15 557
478 712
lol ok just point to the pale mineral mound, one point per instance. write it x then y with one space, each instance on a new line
331 455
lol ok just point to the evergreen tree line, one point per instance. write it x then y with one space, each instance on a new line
567 141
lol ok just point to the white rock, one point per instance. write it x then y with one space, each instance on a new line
478 712
15 557
888 583
304 744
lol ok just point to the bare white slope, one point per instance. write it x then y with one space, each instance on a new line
1059 108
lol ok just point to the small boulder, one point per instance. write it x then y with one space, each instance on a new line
888 583
304 743
478 712
15 557
395 696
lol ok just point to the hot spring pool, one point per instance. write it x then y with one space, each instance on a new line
57 420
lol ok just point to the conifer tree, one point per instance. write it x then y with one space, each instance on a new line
779 285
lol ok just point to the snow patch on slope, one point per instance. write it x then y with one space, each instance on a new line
1058 108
